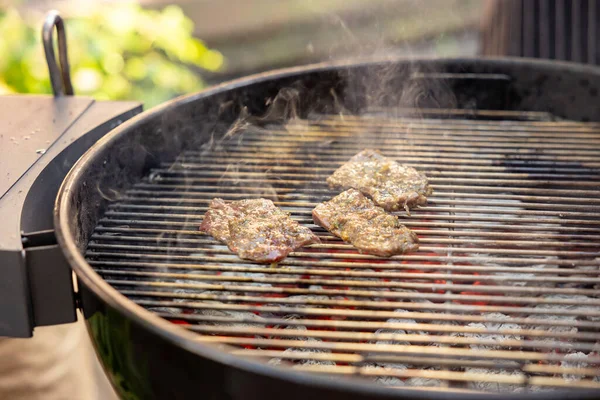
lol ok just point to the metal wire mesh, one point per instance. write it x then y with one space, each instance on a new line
501 296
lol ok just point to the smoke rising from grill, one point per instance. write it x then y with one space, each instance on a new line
497 258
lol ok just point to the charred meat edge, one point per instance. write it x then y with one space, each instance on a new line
255 229
390 185
354 218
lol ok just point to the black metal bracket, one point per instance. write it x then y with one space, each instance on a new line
53 298
36 285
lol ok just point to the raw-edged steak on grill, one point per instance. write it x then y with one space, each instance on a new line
391 185
355 219
255 229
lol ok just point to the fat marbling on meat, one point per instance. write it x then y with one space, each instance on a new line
390 185
255 229
355 219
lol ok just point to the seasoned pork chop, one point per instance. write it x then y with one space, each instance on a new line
391 185
255 229
355 219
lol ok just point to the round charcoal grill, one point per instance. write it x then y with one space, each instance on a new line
502 296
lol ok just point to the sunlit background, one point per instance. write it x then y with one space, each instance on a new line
154 50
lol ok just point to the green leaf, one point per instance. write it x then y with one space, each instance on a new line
118 51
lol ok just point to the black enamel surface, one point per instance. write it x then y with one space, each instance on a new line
149 358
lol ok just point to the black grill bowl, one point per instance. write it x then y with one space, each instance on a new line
147 357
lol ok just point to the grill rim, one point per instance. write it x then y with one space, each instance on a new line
182 338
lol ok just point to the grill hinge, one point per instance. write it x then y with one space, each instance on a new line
53 298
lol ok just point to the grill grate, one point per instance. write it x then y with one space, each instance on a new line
502 295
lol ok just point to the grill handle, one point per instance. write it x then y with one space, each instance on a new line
60 76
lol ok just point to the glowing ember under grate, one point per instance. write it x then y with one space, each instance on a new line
502 295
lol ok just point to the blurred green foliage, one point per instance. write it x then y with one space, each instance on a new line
116 52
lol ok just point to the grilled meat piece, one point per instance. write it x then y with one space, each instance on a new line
355 219
391 185
255 229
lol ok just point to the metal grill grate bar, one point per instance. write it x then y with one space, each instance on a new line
331 129
383 294
435 362
361 283
371 326
533 157
358 274
380 315
180 249
287 140
392 349
363 258
442 160
439 209
429 232
519 379
297 268
419 339
504 289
